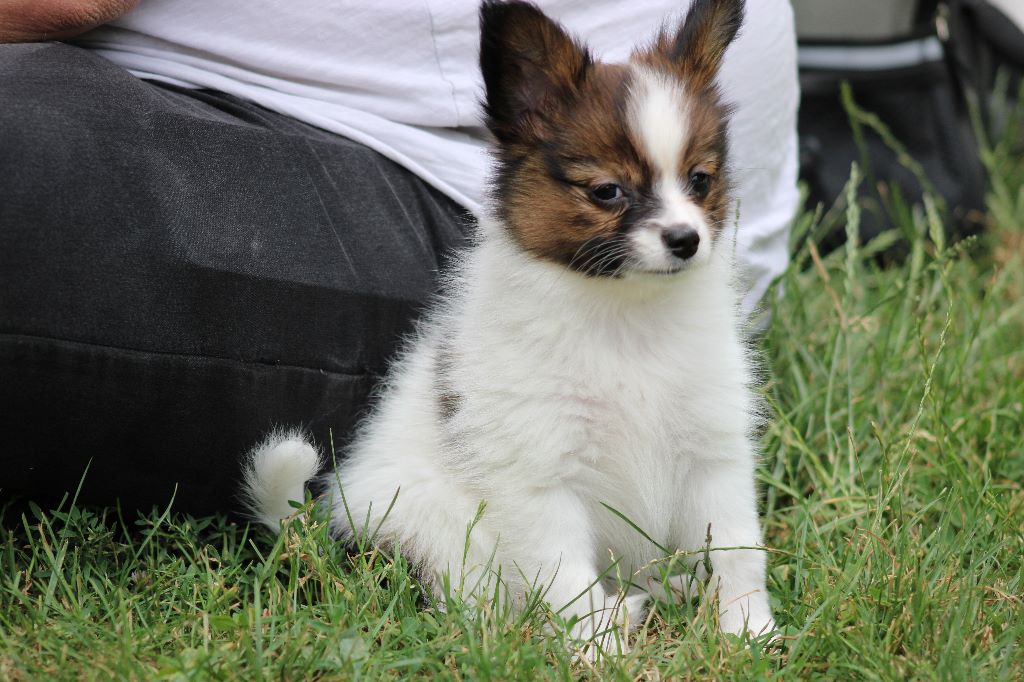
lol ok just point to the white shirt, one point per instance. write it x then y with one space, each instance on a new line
401 77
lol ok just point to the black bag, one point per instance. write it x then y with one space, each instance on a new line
909 64
986 50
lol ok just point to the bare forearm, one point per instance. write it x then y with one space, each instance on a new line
35 20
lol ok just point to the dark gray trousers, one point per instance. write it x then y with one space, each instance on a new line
180 271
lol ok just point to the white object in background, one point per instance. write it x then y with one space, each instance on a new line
402 78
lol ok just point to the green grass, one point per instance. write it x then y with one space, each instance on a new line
894 511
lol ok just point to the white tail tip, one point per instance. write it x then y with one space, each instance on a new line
276 472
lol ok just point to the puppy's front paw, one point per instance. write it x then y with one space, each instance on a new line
749 613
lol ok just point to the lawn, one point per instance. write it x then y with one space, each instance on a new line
893 479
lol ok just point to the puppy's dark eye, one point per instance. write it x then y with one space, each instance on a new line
608 194
700 184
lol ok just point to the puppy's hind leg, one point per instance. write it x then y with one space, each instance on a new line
275 472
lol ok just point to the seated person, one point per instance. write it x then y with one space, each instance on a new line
216 218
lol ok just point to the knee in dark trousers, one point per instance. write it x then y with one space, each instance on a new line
180 272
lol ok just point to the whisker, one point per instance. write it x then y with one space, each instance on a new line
606 255
592 244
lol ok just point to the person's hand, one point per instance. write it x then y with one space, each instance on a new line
35 20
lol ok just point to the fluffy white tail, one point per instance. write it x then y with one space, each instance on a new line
276 471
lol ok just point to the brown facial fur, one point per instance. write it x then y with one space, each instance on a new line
581 144
574 146
707 151
570 132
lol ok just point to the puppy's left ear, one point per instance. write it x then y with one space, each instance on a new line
694 51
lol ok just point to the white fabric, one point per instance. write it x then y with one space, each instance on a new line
1013 9
401 77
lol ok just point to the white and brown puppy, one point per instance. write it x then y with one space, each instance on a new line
586 353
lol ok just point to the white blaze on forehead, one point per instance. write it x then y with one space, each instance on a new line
658 116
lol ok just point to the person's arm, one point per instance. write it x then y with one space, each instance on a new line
36 20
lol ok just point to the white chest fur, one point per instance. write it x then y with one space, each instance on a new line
613 389
549 397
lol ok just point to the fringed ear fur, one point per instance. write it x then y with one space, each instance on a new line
527 61
694 51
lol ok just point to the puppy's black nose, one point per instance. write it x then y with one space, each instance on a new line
681 240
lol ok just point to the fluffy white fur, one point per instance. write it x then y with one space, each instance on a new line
572 392
545 395
276 472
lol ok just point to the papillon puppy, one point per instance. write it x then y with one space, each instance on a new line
582 378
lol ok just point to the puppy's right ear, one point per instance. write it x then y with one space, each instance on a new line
695 51
528 62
